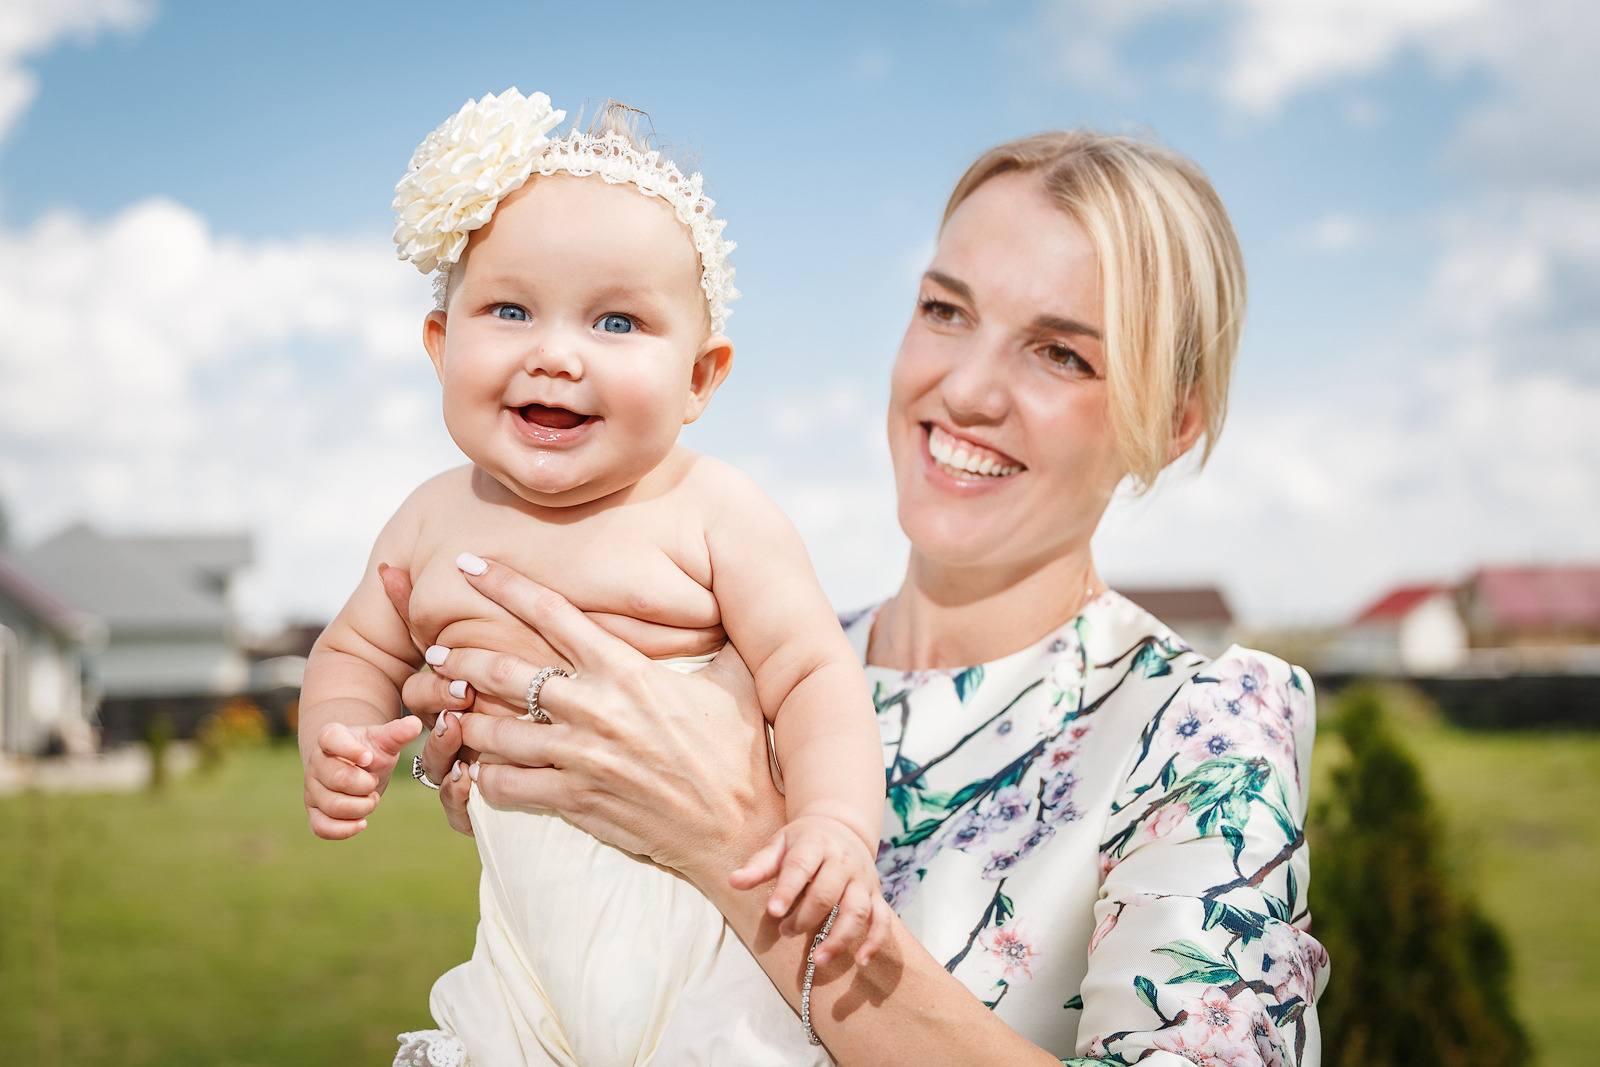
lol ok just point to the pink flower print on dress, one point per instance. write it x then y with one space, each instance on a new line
1290 961
1215 1032
968 831
1168 819
1007 953
1007 806
1242 684
1108 924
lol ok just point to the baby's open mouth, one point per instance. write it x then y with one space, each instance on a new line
552 418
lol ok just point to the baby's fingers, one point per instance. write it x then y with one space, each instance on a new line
339 806
337 739
850 925
801 859
877 930
826 889
761 867
331 829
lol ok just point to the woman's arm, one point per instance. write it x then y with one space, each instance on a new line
674 767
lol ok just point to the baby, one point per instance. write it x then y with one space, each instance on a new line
582 293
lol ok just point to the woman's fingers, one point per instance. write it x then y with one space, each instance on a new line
426 692
453 792
520 741
534 787
577 638
441 745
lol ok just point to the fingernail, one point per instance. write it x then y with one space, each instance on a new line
440 726
471 564
457 716
458 689
455 772
436 655
381 568
473 772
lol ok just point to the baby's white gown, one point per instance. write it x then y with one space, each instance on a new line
589 956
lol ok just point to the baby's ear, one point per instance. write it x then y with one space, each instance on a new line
711 367
433 330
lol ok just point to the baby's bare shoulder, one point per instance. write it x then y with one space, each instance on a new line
724 493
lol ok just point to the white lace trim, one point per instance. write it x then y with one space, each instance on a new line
490 148
430 1048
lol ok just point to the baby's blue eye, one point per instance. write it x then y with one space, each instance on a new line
616 324
510 312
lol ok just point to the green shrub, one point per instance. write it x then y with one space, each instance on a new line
1420 976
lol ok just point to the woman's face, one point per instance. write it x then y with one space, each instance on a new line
1003 448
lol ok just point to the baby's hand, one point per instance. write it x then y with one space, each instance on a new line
350 766
820 862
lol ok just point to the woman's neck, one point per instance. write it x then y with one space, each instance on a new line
946 616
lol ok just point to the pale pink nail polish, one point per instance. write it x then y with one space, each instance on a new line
455 772
439 727
458 689
436 655
473 773
471 564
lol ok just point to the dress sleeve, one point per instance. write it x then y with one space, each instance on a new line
1202 951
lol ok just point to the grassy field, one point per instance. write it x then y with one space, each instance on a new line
206 926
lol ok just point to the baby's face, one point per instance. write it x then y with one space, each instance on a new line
576 342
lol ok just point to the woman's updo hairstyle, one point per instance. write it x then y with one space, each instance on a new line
1170 270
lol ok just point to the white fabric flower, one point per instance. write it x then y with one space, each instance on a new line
462 171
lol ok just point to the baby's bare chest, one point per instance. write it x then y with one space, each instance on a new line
646 562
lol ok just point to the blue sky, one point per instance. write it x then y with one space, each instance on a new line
208 328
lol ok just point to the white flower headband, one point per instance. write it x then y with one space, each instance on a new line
489 148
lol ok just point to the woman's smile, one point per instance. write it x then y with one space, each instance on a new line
965 459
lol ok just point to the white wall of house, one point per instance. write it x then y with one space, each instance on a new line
41 692
1433 637
163 666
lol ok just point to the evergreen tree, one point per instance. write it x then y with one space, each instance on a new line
1420 976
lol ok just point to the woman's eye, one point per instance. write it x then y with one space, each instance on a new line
938 310
615 323
1063 356
509 312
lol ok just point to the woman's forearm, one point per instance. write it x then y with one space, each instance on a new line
903 1008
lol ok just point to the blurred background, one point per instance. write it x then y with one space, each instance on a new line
213 393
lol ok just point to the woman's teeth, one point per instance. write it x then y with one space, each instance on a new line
955 459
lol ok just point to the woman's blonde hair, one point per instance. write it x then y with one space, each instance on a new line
1171 273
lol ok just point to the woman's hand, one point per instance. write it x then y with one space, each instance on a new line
669 766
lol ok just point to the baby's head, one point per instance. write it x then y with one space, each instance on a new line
582 290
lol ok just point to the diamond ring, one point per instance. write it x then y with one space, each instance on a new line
535 712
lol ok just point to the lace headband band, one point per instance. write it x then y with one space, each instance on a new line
489 148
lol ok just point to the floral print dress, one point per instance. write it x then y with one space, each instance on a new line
1102 837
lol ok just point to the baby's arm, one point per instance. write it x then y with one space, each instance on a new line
813 692
350 737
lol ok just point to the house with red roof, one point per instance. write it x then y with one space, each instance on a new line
1502 620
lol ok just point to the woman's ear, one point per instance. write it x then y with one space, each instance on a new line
1191 424
711 367
433 340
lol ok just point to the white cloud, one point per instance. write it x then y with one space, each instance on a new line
158 375
1337 231
29 27
1309 510
1281 47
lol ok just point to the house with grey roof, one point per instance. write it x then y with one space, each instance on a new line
1197 613
171 640
46 699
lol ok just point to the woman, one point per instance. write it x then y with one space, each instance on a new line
1093 836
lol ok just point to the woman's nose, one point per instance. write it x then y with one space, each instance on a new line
976 387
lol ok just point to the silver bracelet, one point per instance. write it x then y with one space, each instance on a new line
811 970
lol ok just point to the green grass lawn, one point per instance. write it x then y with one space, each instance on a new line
207 926
1523 815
